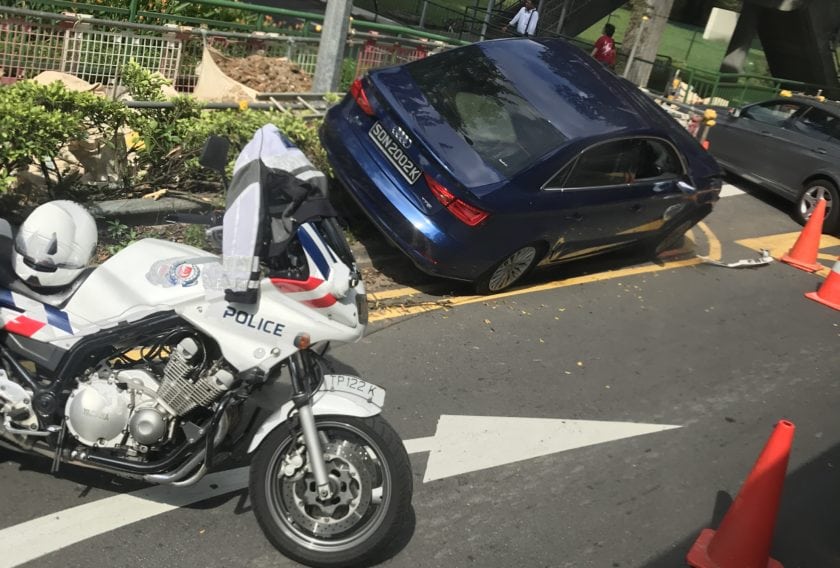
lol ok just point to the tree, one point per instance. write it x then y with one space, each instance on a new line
644 35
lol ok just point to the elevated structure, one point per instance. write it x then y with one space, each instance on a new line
571 17
801 44
800 37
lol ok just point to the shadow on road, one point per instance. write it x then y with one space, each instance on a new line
761 193
808 522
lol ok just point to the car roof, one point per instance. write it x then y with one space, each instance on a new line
832 107
593 101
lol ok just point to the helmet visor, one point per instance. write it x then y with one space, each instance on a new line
45 252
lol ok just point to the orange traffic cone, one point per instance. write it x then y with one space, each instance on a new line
829 292
746 532
803 255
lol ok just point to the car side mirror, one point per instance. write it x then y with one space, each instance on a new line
735 112
215 154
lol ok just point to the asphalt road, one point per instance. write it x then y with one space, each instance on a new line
721 353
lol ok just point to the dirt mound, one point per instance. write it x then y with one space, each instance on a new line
265 74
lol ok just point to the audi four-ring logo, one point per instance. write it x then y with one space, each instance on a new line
401 137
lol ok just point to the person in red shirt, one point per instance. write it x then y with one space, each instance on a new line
604 50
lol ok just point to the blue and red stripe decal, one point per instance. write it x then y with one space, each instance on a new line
58 318
28 326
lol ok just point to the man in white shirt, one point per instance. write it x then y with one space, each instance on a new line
525 20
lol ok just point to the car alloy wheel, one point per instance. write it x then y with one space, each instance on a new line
509 270
811 194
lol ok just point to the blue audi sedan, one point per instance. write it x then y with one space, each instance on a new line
483 161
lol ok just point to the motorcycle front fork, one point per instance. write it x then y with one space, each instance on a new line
301 368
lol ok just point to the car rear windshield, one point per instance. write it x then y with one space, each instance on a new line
482 105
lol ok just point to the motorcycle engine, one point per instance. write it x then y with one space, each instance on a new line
134 409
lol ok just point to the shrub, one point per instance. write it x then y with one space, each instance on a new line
38 121
159 130
239 126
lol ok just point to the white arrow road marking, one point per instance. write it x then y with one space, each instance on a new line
470 443
39 537
461 444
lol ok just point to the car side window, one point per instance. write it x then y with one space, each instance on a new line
774 114
657 160
558 180
816 123
621 162
610 163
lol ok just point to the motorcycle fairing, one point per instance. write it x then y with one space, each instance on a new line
324 402
30 318
148 278
263 168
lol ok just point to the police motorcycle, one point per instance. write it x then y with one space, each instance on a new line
165 361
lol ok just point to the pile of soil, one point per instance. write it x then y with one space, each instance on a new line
266 74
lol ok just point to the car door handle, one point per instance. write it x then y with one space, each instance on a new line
820 150
574 217
636 207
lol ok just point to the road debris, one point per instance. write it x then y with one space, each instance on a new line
763 259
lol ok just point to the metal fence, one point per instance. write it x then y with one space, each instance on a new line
96 50
97 55
374 54
730 89
27 46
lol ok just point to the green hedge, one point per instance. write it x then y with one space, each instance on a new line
156 148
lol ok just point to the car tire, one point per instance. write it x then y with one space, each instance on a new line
807 200
510 269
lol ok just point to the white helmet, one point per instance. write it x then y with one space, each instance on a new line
54 244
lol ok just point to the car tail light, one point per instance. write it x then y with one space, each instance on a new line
465 212
359 95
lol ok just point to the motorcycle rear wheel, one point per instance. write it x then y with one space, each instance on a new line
370 475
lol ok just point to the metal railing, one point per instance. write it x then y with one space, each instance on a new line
96 50
732 89
251 18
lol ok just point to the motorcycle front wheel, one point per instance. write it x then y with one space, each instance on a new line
370 477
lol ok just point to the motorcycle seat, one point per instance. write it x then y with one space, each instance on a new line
56 296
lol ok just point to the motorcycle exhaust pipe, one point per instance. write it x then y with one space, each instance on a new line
178 474
177 477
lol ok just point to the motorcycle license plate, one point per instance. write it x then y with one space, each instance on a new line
355 386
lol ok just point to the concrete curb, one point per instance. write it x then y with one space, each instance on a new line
144 211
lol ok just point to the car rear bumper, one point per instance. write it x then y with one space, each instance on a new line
428 246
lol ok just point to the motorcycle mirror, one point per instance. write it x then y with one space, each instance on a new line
215 154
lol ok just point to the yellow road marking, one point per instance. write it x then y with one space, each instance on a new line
780 244
396 293
715 248
395 312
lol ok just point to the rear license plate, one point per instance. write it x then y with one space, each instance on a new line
394 153
355 386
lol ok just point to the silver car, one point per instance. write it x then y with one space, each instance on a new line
789 145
